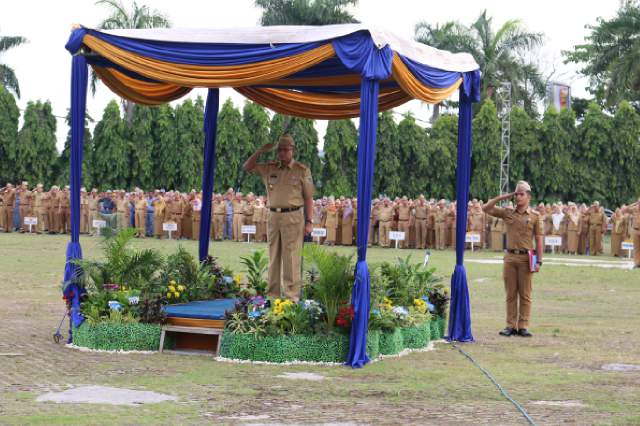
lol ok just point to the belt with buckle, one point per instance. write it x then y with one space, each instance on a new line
517 251
284 210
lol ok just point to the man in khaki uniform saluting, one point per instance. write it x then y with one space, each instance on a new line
290 201
523 224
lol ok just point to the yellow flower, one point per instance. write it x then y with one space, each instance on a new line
124 288
277 301
237 278
177 294
168 295
420 305
172 289
172 282
181 287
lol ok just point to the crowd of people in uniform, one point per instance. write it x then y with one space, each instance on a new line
425 223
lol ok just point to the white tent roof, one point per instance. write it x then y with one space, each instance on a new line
460 62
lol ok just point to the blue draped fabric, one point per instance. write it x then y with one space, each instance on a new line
358 53
79 73
429 76
360 295
208 170
460 311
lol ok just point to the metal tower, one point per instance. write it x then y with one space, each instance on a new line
503 95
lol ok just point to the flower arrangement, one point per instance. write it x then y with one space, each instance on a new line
345 316
175 291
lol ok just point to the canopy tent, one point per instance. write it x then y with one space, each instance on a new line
326 72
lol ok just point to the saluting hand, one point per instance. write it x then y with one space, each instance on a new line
266 148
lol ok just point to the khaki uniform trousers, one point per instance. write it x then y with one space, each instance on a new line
175 217
237 226
195 225
140 222
441 235
41 214
7 218
25 211
616 244
517 286
403 226
65 225
421 233
93 215
218 226
52 221
84 220
285 231
383 233
595 240
636 246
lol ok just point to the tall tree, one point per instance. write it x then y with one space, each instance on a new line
485 157
412 152
256 121
112 150
340 158
524 143
189 118
611 56
135 17
441 157
306 139
8 78
64 161
36 154
552 168
305 12
625 155
166 175
386 175
142 147
592 156
9 116
231 134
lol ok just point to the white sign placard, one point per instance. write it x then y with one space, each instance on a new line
472 237
396 235
553 240
169 226
248 229
319 232
97 223
627 245
28 220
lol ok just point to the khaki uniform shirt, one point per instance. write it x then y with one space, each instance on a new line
421 212
521 227
287 185
385 214
403 212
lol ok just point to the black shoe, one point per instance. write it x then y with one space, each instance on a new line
508 332
524 333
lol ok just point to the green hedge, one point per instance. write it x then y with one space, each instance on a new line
416 337
126 337
333 348
437 328
391 342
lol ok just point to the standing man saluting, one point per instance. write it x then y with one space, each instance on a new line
523 224
290 202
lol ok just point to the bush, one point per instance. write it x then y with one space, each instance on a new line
417 336
391 342
316 348
112 336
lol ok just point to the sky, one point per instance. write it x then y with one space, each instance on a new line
43 66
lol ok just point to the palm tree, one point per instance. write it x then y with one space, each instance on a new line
501 56
305 12
138 17
451 36
611 56
8 77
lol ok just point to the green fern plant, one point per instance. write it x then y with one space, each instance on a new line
256 265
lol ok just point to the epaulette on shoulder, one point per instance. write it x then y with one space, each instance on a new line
300 165
535 212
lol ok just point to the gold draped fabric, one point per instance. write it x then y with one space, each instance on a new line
172 81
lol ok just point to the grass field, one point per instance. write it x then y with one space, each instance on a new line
583 318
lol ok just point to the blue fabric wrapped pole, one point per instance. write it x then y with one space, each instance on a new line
209 169
460 311
72 272
360 295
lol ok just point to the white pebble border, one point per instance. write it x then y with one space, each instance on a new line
109 351
428 348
